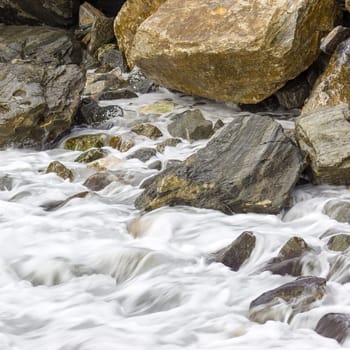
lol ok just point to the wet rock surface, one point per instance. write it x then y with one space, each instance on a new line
61 170
147 130
339 243
85 142
91 155
334 325
338 210
100 180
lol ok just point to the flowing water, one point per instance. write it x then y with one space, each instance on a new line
95 274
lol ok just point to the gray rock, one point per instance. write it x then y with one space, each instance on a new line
191 125
237 252
143 154
6 182
338 210
39 45
110 56
339 243
334 325
156 165
60 169
62 13
297 296
139 82
100 180
255 172
324 136
330 42
37 102
167 143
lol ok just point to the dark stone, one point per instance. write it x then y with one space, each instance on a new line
255 172
39 45
334 325
143 154
110 56
330 42
99 181
60 169
51 206
237 252
117 94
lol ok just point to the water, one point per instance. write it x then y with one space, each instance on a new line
95 274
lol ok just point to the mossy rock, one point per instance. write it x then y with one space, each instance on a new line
85 142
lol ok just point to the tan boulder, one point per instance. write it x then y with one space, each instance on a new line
241 51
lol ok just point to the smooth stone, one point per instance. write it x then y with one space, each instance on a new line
338 210
60 170
51 206
143 154
339 243
147 130
100 180
334 325
117 94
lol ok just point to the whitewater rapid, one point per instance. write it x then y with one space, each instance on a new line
96 274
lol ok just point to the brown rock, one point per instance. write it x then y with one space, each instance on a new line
61 170
147 130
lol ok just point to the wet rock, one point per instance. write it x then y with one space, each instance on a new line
39 45
282 303
264 44
91 155
339 269
99 181
218 125
156 165
92 114
51 206
85 142
121 143
237 252
289 258
88 14
117 94
338 210
323 136
167 143
61 170
37 102
109 163
101 33
339 243
143 154
157 108
6 182
191 125
140 83
147 130
109 55
330 42
61 13
334 325
257 168
332 87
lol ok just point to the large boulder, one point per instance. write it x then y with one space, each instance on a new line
241 51
37 102
333 86
255 171
323 135
61 13
39 44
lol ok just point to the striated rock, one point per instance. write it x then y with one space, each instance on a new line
241 51
333 86
334 325
60 13
191 125
61 170
237 252
39 45
167 143
99 181
143 154
129 18
157 108
338 210
147 130
339 243
91 155
37 102
323 136
330 42
85 142
121 143
282 303
257 168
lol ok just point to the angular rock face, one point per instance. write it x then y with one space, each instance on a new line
38 44
324 136
334 325
255 172
333 86
61 13
37 102
241 51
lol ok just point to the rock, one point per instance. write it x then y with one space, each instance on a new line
282 303
101 33
147 130
88 14
334 325
85 142
121 143
6 182
110 56
60 169
330 42
39 45
51 206
339 243
92 114
191 125
167 143
156 165
61 13
110 163
99 181
91 155
143 154
139 82
117 94
242 51
338 210
37 102
157 108
257 168
237 252
323 136
218 125
289 259
129 18
332 87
